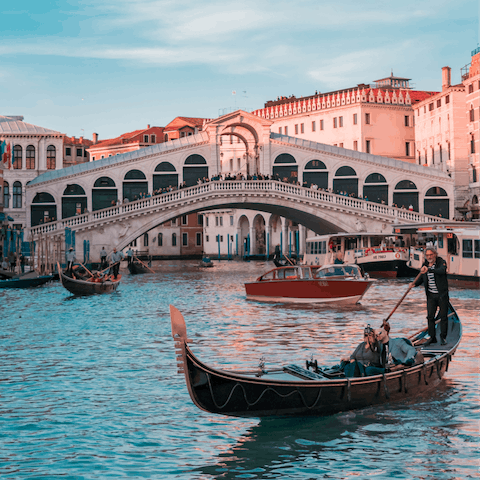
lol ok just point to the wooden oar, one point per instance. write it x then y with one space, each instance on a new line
291 263
143 264
110 266
91 274
401 300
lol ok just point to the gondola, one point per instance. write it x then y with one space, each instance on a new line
89 286
283 262
136 268
295 390
27 280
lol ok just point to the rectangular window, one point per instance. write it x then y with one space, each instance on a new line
367 146
286 130
472 144
439 103
313 126
340 121
407 149
367 118
407 123
280 130
145 138
341 145
184 220
145 239
472 115
302 128
447 99
160 240
221 221
216 221
174 239
153 139
430 107
477 248
321 124
470 88
355 145
79 152
296 129
199 239
68 151
206 238
231 220
334 122
355 119
467 248
185 239
200 219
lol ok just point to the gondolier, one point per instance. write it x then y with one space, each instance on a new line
103 258
434 277
115 260
129 255
70 261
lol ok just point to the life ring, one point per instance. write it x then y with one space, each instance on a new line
397 255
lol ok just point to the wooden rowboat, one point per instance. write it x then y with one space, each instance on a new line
89 287
27 280
294 390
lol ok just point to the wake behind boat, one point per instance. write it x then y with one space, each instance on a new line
307 284
89 285
294 390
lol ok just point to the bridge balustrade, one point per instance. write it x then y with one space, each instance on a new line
145 204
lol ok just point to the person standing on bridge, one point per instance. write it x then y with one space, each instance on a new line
115 260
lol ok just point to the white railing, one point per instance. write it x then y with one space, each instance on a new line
229 186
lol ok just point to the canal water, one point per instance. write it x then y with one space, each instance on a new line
89 387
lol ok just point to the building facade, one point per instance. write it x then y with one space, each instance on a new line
447 134
75 150
372 119
127 142
35 150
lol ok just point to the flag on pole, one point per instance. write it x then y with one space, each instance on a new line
6 154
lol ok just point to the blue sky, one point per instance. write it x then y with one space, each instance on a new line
112 66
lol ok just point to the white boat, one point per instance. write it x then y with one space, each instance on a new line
378 254
457 243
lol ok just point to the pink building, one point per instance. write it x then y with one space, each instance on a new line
447 131
376 120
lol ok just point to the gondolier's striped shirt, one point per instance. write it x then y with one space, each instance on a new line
432 286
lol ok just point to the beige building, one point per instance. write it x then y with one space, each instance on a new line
447 134
372 119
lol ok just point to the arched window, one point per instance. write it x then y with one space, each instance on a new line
30 158
134 185
164 176
439 205
407 196
347 183
165 137
51 157
17 195
43 209
315 173
285 168
104 193
472 114
74 201
17 157
405 185
195 168
135 175
6 195
375 189
436 192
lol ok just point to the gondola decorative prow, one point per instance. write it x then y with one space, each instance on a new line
179 334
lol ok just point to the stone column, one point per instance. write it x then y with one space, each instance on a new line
303 237
285 238
253 240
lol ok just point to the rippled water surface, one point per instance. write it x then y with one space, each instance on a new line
89 388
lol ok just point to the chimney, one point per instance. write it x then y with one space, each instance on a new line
81 139
148 126
446 78
95 138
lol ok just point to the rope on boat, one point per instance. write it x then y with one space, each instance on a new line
385 387
251 404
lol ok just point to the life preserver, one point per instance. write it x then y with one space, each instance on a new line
397 255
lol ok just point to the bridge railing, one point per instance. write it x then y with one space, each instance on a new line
146 204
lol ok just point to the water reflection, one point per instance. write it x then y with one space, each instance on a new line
363 444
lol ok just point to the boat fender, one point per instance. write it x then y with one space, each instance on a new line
385 387
449 357
405 388
349 394
397 255
439 368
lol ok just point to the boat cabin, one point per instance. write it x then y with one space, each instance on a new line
311 273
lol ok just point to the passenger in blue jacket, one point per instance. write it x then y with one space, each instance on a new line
434 277
396 351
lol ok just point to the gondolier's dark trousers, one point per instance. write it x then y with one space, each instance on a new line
103 263
115 269
436 301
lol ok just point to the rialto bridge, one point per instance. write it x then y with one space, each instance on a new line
90 198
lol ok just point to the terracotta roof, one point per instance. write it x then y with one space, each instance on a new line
179 122
125 138
77 141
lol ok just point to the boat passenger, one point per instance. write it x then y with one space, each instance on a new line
366 359
339 258
396 351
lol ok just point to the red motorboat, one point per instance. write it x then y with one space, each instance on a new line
310 284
